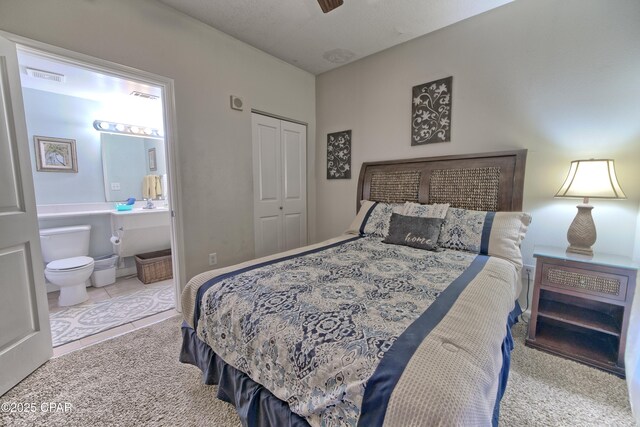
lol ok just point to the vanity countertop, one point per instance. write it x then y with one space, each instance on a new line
88 209
51 215
138 211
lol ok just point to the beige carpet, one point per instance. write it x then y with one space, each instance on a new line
136 380
546 390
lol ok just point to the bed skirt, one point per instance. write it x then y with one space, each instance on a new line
257 407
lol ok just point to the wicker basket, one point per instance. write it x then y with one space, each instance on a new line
154 266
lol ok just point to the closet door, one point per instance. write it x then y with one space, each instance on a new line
294 184
267 185
280 184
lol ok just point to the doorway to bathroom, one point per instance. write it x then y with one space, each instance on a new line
101 168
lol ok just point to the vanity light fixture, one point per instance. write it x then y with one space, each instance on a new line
131 130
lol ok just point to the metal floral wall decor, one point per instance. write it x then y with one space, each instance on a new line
431 112
339 155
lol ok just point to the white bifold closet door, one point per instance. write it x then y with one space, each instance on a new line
279 184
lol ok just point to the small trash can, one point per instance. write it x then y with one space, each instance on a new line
104 270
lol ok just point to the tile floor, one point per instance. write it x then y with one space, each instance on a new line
123 286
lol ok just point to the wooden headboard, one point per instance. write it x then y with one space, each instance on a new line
484 181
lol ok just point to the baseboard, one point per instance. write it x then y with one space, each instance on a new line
128 271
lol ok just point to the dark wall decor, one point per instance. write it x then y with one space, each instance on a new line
431 112
339 155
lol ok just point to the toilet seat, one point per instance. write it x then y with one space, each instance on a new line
70 264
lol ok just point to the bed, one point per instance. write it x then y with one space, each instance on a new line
357 331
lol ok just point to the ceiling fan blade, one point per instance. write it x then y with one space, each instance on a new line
328 5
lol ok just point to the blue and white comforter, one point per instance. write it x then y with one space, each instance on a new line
314 328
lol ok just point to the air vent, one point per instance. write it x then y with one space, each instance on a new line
143 95
339 56
45 75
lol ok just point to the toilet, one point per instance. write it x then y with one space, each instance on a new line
65 251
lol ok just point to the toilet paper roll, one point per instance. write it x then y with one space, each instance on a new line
115 240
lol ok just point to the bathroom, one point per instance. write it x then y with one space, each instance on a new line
97 143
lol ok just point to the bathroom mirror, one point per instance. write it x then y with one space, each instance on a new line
126 161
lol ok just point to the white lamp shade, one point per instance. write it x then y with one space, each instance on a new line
592 178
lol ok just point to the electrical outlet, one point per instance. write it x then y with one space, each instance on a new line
115 186
213 258
528 270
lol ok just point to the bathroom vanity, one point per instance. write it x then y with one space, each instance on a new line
139 230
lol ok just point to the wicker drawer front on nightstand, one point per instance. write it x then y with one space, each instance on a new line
609 286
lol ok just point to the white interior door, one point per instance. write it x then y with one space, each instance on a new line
25 337
280 184
294 184
267 189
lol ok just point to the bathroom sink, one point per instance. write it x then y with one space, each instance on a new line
138 211
141 230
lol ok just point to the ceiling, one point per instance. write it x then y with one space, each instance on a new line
112 93
78 81
297 31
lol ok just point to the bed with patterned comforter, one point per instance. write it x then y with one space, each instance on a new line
354 331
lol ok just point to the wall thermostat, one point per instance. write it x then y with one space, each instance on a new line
236 103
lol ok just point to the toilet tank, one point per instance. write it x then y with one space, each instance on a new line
64 242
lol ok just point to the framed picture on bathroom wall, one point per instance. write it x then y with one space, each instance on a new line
153 166
55 154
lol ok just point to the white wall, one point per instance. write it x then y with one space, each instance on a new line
207 66
69 117
558 77
636 252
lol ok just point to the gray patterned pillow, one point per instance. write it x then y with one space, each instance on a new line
486 233
373 218
462 230
435 210
414 231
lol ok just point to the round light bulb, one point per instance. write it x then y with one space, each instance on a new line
161 132
120 127
134 129
104 125
148 131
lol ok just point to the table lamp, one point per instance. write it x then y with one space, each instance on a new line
594 178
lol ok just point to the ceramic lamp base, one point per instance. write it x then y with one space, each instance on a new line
582 232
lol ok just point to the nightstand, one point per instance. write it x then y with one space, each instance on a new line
581 306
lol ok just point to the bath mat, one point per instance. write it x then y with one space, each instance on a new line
74 323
